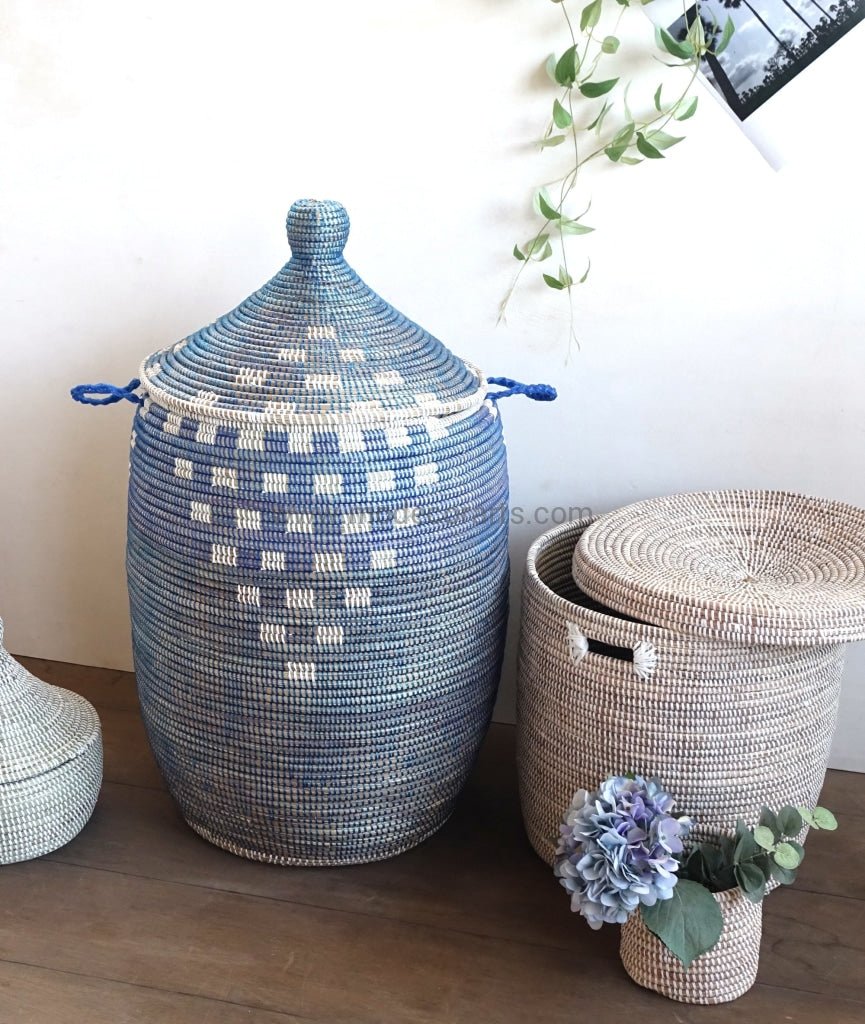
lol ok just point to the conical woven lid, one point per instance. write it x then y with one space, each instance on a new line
41 726
314 344
757 567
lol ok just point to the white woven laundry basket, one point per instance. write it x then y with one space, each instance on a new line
727 727
50 763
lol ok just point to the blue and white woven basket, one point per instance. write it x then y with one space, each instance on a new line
318 564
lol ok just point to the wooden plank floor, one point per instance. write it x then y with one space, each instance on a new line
139 920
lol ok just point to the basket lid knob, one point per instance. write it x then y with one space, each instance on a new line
317 228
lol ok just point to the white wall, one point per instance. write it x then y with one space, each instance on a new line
151 151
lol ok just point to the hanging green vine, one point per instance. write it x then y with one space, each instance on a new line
611 130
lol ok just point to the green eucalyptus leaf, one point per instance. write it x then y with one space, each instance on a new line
591 15
824 818
689 923
561 117
547 211
746 848
685 109
764 837
594 89
552 140
553 282
567 67
782 875
519 255
770 820
599 119
750 877
726 36
790 821
666 42
657 97
798 848
807 816
610 44
787 856
647 149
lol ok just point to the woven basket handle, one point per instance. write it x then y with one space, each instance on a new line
537 392
107 394
642 656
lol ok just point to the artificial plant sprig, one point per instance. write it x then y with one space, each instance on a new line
622 851
609 129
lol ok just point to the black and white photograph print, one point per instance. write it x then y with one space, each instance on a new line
773 41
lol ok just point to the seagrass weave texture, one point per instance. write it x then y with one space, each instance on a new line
764 567
50 763
727 727
317 563
726 972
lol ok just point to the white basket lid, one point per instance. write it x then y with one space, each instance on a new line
41 726
756 567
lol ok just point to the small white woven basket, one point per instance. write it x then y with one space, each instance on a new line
726 972
50 763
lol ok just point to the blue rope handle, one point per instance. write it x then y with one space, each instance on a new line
537 392
82 392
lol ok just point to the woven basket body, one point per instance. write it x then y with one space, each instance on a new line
50 763
317 563
727 728
726 972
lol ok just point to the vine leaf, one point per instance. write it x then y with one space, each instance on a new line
647 149
610 44
620 142
661 140
590 15
685 109
547 211
666 42
657 97
567 67
599 120
552 140
594 89
561 117
574 227
726 36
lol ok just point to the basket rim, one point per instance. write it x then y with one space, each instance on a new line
368 419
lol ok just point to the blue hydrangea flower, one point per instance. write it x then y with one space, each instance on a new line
617 849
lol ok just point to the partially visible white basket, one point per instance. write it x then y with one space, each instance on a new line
728 728
50 763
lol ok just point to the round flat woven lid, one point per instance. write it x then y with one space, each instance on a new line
315 343
41 726
760 567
